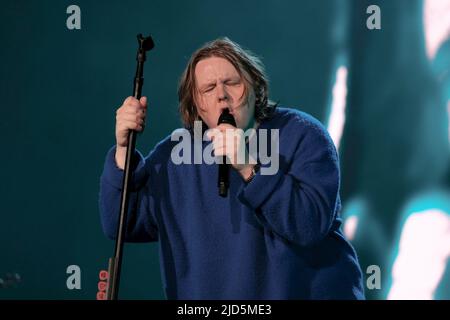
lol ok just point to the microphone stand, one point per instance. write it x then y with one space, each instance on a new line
115 263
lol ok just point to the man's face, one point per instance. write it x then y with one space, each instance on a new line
220 86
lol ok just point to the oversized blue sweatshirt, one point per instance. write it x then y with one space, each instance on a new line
275 237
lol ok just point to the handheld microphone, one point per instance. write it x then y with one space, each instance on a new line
223 181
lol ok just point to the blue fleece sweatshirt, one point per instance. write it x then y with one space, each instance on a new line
276 237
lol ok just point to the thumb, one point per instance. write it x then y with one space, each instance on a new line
143 101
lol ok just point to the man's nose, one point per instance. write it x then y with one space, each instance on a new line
222 94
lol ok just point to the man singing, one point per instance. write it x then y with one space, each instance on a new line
276 235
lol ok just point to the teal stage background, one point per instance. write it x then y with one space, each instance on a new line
60 88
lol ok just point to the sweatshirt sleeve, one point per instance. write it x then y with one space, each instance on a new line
299 202
141 225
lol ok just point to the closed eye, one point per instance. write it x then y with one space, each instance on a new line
232 82
208 89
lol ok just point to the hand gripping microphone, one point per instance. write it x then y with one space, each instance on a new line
223 181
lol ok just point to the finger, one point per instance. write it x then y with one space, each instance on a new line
130 125
219 147
131 111
225 126
133 103
219 142
212 134
219 152
129 100
229 134
230 139
143 102
139 118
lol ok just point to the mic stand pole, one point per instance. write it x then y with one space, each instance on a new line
115 263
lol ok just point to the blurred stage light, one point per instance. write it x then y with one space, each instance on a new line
423 250
436 18
351 216
336 120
